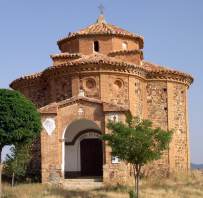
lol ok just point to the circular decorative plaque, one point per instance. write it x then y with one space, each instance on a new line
90 83
118 84
49 125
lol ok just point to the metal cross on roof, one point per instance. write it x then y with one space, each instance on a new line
101 8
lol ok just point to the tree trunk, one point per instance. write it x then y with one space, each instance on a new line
1 167
137 185
136 180
13 178
0 153
137 169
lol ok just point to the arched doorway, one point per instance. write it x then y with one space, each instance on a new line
82 150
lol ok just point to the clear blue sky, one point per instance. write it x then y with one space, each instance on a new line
173 32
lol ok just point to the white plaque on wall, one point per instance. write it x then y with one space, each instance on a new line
113 117
49 125
115 160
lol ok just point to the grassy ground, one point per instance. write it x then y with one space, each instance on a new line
175 187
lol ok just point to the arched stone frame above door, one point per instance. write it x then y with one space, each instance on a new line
77 126
84 134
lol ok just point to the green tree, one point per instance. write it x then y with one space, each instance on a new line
17 161
137 143
19 119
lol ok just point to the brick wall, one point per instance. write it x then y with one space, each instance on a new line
117 44
86 44
135 57
179 147
51 146
90 84
136 92
118 172
157 112
107 44
71 46
114 89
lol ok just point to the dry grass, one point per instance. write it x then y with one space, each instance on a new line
178 186
39 190
175 187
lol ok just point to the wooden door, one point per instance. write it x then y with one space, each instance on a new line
91 157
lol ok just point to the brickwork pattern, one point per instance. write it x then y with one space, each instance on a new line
90 84
180 130
158 113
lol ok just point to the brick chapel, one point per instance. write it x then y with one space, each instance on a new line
99 74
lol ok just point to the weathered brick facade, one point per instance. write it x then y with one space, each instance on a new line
99 75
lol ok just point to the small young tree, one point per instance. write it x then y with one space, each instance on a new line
19 119
137 143
17 161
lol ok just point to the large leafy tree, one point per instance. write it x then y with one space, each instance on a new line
137 143
19 120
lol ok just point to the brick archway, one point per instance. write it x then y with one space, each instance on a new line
75 133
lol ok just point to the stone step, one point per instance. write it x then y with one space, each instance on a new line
82 183
95 179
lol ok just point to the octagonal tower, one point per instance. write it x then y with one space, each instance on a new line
99 75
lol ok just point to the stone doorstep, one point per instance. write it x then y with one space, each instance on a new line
82 183
84 179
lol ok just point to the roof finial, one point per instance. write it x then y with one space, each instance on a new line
101 8
101 18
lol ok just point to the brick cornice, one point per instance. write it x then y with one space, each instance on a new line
125 52
65 56
102 66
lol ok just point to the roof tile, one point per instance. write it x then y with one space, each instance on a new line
101 28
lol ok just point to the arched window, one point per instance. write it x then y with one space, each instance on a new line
96 46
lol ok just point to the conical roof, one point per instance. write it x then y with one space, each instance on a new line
101 27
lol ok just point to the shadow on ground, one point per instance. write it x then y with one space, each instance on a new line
58 192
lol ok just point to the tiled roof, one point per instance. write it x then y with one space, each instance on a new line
66 55
125 52
152 70
107 107
99 58
78 98
95 58
151 67
49 109
101 28
28 77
